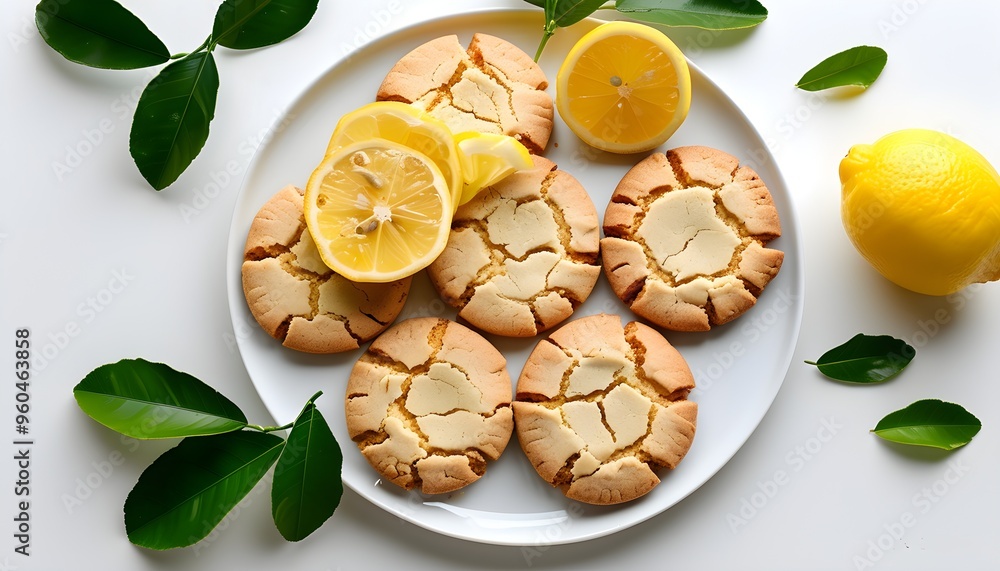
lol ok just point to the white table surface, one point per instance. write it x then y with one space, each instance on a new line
66 235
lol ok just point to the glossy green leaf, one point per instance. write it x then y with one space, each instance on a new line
539 3
860 65
708 14
865 359
151 400
307 484
246 24
172 118
98 33
930 422
568 12
187 491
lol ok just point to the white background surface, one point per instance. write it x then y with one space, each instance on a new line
65 236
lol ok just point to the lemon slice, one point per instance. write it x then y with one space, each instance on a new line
404 124
378 211
488 158
624 88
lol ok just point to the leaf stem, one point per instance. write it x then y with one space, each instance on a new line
313 398
206 44
266 429
550 29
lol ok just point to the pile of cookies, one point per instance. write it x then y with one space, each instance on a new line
600 408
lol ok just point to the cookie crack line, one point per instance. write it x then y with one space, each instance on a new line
634 450
443 90
686 180
347 327
647 387
620 266
378 357
488 271
477 59
373 318
370 438
684 246
565 232
595 396
530 302
436 338
479 227
410 421
654 267
729 270
259 253
443 93
654 194
730 219
484 414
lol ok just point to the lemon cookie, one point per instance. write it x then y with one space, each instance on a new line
685 238
522 254
429 403
296 298
601 408
491 87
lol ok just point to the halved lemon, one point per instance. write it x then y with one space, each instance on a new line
488 158
404 124
378 211
624 88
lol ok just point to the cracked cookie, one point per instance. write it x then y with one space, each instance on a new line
601 408
522 254
428 403
296 298
685 238
491 87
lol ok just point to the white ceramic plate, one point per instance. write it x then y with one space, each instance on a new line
739 367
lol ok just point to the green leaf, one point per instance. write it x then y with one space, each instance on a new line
866 359
539 3
860 65
707 14
187 491
930 422
98 33
568 12
172 118
307 484
246 24
151 400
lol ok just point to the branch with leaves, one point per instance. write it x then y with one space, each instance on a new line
706 14
171 121
190 488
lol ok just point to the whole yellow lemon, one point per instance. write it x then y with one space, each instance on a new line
924 209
